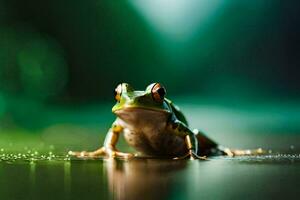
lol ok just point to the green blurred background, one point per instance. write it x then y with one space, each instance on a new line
233 66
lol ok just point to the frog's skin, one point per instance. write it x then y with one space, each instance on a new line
154 126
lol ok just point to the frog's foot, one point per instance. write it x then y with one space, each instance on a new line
191 152
91 154
117 154
237 152
110 153
191 155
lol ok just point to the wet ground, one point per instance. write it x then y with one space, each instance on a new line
252 177
35 165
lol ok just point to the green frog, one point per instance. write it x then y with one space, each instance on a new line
154 126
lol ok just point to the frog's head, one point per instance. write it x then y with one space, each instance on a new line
151 99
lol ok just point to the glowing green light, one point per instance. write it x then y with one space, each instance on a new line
42 67
177 20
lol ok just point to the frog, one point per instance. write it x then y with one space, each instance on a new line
155 127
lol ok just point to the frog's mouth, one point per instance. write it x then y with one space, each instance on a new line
141 114
139 109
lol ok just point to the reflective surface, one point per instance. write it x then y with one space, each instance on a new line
33 165
271 176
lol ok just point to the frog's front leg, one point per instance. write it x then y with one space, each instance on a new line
109 148
191 141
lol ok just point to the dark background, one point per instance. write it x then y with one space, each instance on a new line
82 49
61 60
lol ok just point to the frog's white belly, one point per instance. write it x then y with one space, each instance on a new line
145 130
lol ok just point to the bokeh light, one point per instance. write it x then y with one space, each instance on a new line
178 20
238 54
31 64
43 69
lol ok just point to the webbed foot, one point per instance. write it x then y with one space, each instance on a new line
105 152
191 155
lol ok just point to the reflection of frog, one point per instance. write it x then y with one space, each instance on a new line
154 126
145 177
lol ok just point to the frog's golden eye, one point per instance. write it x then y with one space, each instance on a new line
118 92
158 92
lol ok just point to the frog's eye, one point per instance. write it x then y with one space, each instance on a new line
158 92
118 92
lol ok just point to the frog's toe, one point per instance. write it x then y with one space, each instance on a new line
191 155
194 156
91 154
245 152
182 157
110 153
78 153
118 154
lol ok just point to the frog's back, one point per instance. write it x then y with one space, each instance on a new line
177 112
